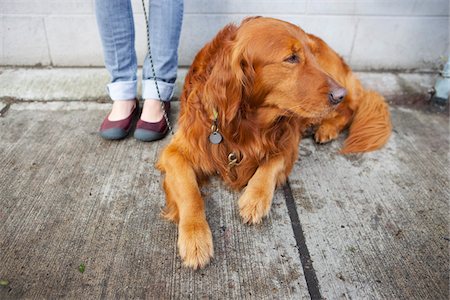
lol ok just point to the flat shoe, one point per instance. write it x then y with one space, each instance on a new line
116 130
149 132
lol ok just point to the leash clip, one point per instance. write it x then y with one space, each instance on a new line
232 160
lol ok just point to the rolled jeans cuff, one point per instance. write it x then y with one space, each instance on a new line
149 90
122 90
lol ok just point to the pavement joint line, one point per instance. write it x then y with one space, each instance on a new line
305 258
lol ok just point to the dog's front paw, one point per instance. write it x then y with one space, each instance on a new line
195 244
326 133
254 205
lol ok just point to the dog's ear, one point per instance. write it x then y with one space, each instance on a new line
231 79
243 70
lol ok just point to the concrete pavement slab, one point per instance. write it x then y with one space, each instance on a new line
69 197
377 224
374 225
53 84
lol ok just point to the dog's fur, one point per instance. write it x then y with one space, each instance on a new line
269 81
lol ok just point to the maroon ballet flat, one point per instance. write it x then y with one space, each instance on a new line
148 131
116 130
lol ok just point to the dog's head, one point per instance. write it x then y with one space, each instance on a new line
269 62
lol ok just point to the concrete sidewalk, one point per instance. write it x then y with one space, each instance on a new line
369 226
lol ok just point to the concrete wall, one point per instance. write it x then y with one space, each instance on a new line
370 34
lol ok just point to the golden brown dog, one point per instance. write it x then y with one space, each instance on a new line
255 89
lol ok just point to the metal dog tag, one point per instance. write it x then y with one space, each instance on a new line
215 137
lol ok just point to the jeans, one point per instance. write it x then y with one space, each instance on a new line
116 27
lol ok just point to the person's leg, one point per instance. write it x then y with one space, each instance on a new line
165 19
116 28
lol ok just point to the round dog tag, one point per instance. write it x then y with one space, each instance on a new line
215 137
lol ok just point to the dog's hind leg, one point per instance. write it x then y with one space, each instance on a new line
185 205
256 200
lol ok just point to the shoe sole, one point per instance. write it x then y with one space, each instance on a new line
147 135
114 134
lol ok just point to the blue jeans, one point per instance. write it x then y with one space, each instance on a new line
116 27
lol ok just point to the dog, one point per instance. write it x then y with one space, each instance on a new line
249 96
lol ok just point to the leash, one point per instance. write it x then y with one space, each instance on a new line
215 137
166 117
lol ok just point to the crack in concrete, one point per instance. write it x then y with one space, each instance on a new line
4 110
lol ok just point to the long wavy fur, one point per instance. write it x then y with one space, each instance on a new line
371 126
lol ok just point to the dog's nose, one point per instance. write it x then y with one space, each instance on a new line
337 95
337 92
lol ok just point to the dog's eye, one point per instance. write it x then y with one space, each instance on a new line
293 59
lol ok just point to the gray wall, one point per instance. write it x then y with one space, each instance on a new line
370 34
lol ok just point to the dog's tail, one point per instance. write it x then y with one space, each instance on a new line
371 125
